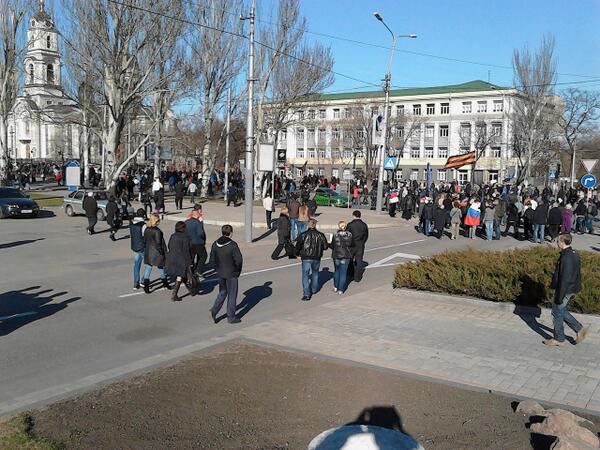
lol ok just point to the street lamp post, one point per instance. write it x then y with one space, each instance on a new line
386 87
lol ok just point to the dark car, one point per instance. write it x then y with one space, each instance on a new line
13 203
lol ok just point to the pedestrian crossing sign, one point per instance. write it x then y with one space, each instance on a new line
390 163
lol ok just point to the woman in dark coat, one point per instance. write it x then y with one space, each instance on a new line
179 258
112 216
284 232
554 221
155 252
439 220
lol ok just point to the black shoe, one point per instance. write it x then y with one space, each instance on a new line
234 320
165 283
112 237
147 286
213 316
305 298
89 231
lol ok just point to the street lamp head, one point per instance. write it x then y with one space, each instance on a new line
412 36
378 16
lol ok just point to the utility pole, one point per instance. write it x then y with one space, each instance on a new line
573 166
249 169
227 130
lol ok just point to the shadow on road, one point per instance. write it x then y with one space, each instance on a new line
265 234
253 297
18 243
22 307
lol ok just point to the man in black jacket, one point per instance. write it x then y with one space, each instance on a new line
360 235
90 206
283 236
310 247
136 232
540 219
194 228
566 282
112 217
179 194
226 258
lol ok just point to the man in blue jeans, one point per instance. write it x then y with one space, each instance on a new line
310 247
136 231
566 282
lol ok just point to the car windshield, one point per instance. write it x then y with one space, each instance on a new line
100 195
11 193
327 191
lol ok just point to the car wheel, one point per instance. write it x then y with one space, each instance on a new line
69 211
100 215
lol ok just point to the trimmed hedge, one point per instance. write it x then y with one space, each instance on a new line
522 276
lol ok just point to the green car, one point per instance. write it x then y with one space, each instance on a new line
328 197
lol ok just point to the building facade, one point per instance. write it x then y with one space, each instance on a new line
337 134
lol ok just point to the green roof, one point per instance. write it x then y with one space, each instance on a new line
471 86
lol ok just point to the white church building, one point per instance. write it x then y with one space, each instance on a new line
44 124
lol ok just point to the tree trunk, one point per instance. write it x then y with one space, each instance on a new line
157 140
86 151
4 154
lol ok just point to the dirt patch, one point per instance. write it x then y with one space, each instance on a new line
251 397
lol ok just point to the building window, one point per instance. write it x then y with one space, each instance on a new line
311 153
414 174
465 131
300 115
31 73
443 130
283 135
347 153
336 113
445 108
322 114
48 102
463 177
335 172
398 174
496 129
482 106
397 152
311 171
321 172
346 174
399 132
399 110
311 114
465 149
322 135
374 111
430 109
50 73
466 107
300 135
335 153
428 152
415 152
498 106
495 152
493 176
335 133
48 42
441 174
443 152
311 135
417 110
322 153
360 134
299 153
429 129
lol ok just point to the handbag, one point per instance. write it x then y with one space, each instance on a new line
191 282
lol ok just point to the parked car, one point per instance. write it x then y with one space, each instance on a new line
73 203
327 197
14 203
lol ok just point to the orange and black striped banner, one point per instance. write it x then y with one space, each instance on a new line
460 160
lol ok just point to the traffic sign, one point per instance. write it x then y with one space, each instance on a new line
589 164
588 181
390 163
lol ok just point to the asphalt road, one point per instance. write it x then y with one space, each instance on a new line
68 311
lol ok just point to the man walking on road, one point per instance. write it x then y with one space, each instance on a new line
310 247
566 282
136 232
360 235
194 228
90 206
226 258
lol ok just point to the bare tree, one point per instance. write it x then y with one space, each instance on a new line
581 109
119 46
479 135
534 116
12 15
219 60
401 129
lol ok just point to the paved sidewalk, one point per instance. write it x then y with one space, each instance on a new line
471 342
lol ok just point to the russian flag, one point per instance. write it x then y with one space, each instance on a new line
473 216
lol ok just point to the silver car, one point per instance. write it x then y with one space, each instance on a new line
73 203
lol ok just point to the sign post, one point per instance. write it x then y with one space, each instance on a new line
73 174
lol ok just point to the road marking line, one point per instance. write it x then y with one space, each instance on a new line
269 269
29 313
395 255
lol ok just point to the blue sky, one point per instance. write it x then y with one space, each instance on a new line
474 30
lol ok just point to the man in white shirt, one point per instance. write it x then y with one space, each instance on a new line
156 185
192 188
268 205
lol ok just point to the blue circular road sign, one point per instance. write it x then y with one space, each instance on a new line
588 181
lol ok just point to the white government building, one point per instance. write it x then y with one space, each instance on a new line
452 120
